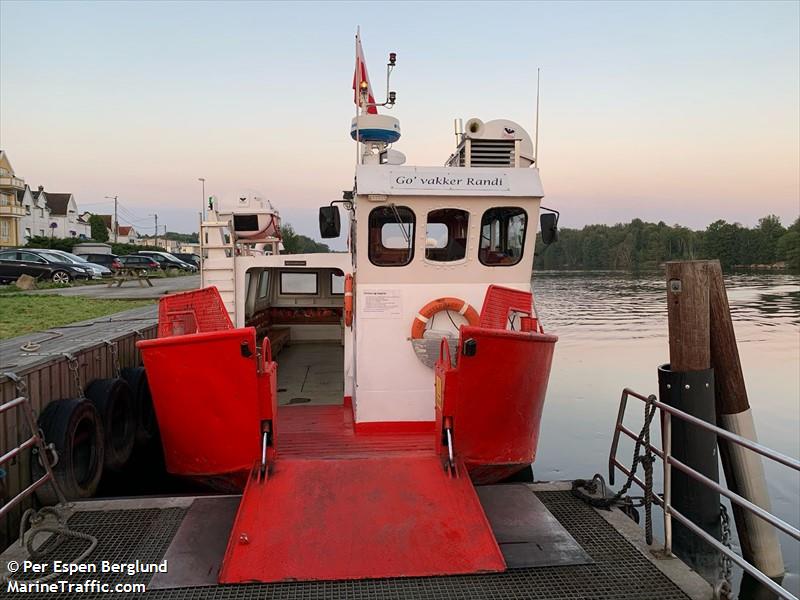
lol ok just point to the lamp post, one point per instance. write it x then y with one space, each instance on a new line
202 180
114 225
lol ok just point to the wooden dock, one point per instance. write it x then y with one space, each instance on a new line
55 364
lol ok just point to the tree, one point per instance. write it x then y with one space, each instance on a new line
295 243
788 249
99 230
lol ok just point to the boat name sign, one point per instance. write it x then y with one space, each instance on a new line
448 181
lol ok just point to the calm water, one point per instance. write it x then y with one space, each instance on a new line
612 330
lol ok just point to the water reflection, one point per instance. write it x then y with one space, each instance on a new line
612 330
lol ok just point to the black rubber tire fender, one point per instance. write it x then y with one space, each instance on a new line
114 402
146 424
75 429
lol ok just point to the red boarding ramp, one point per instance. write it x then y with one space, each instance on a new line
359 518
197 311
492 399
214 399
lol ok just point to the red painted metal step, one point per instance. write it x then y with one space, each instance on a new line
359 518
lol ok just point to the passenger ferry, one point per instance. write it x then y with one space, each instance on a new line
358 397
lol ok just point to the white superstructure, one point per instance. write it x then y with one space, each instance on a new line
415 234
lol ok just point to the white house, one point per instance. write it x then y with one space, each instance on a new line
37 216
126 234
64 221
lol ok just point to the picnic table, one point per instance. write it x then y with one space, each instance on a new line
131 274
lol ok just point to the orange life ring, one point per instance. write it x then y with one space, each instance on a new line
348 300
438 305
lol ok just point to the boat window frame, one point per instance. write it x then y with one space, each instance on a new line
330 283
316 283
466 238
261 278
522 244
411 248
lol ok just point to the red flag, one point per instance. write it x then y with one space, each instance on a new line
361 75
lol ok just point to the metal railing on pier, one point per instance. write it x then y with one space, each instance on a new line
669 461
35 441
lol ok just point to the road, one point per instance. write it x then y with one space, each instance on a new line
130 290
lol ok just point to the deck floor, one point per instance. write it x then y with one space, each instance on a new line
311 373
622 568
320 432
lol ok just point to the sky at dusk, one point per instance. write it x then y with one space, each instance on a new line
682 112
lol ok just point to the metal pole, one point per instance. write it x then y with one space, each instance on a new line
156 228
536 142
202 181
114 225
666 434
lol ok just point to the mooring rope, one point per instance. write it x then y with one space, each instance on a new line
60 529
586 489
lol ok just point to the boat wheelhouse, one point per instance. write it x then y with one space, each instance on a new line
382 382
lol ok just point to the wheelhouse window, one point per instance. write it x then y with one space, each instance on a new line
502 236
337 284
263 284
446 237
294 284
391 236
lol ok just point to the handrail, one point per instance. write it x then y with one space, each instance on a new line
34 440
669 461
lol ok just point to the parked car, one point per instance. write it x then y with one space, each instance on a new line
144 264
98 271
166 261
40 265
188 258
110 261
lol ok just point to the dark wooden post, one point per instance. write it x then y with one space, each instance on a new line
688 316
687 383
744 469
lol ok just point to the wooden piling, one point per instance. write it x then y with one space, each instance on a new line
688 315
744 469
687 384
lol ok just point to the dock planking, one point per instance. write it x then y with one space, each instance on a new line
41 361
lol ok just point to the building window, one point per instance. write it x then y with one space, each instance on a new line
299 283
27 209
3 200
502 236
27 233
391 236
447 233
4 230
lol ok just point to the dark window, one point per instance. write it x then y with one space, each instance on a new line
245 222
299 283
391 236
502 236
446 239
31 257
8 255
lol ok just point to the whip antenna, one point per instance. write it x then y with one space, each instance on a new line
536 138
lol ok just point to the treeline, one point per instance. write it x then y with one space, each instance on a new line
642 245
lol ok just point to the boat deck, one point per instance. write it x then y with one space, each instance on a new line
320 432
311 373
622 567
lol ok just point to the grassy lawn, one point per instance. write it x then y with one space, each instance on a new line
26 313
